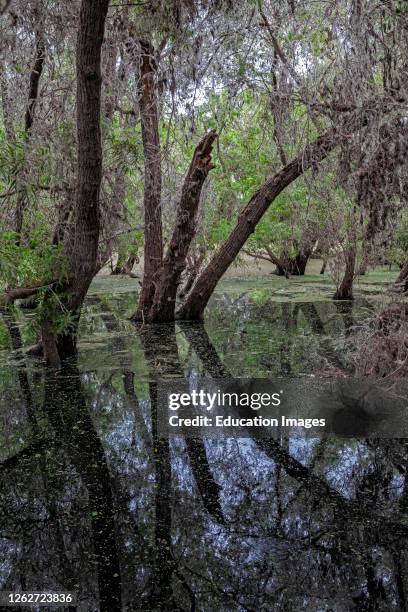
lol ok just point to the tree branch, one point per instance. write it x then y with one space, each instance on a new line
289 69
22 293
174 262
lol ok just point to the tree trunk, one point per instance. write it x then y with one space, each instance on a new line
297 265
125 266
362 269
345 291
281 269
197 300
86 213
175 260
368 239
323 268
193 268
64 213
188 284
312 154
149 117
401 284
85 228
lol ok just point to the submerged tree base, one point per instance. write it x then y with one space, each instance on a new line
343 295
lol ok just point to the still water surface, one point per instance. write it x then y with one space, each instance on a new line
94 502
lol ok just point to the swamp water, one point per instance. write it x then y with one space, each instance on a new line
94 502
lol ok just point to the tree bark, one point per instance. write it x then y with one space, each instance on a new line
84 235
174 262
297 265
86 214
192 271
368 246
149 117
281 269
63 216
345 290
401 284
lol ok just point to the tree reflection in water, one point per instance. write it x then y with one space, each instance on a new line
95 502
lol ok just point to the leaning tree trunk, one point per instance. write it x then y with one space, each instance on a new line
197 299
281 269
149 117
345 290
312 154
85 229
174 263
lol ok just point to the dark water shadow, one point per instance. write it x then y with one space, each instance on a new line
94 500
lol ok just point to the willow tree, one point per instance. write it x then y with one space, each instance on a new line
324 79
82 236
342 103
